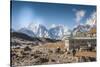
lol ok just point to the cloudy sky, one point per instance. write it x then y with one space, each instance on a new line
23 13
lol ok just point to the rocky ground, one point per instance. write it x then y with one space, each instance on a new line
28 53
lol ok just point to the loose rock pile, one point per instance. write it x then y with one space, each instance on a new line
28 55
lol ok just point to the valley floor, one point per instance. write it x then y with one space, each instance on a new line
47 53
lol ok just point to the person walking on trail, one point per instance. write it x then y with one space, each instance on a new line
74 52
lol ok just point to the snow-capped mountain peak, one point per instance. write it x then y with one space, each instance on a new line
40 30
26 31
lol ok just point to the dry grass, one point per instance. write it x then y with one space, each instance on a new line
86 54
54 45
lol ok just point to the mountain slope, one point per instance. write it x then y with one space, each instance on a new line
40 31
26 31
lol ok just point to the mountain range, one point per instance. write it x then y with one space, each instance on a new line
83 28
54 32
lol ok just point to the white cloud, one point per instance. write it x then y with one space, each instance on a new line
92 20
79 15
